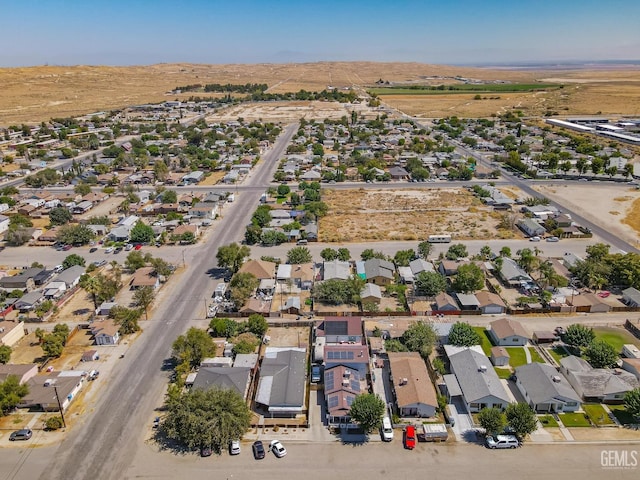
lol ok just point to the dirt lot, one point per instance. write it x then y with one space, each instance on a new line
281 111
289 336
616 210
373 215
108 207
27 350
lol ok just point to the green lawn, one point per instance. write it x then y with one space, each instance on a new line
574 420
535 356
503 372
281 200
616 337
548 421
518 357
597 414
621 414
558 353
485 343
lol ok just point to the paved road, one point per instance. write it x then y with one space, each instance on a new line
105 445
389 461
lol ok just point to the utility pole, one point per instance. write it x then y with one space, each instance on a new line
64 423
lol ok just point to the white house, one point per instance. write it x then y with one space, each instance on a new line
4 223
508 333
545 389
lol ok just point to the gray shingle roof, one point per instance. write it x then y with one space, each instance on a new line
476 384
282 379
537 380
234 378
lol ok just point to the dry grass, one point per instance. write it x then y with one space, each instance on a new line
34 94
633 216
374 215
213 179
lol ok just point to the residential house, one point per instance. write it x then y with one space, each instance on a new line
22 281
353 356
420 265
71 276
43 396
11 331
443 302
29 301
508 333
281 388
257 305
341 386
530 227
398 173
228 378
54 290
500 357
414 393
298 275
468 301
340 330
4 223
406 275
475 382
180 230
490 303
599 385
545 390
588 303
204 210
259 268
22 372
631 297
193 177
378 271
336 269
371 293
105 332
105 308
511 274
90 356
144 277
448 267
292 306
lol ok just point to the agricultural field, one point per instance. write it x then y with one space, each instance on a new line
464 88
374 215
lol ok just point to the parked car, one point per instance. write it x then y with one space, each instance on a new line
277 448
137 247
24 434
108 250
502 441
258 450
559 331
534 239
316 374
66 248
206 452
117 250
410 437
128 247
58 268
234 447
94 249
156 422
553 239
386 430
604 294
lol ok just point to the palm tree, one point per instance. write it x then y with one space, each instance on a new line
93 286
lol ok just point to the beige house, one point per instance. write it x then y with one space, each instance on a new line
11 332
415 394
508 333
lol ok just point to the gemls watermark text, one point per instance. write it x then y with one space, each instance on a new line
619 459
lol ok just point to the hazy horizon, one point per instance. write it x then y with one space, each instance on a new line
457 32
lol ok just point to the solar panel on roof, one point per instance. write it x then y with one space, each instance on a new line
336 328
355 385
333 401
328 380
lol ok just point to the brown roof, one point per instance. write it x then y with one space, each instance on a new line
506 327
104 327
143 277
180 229
303 271
21 371
488 298
497 352
352 326
256 305
418 389
259 268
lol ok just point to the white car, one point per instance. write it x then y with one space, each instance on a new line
234 447
108 250
277 448
534 239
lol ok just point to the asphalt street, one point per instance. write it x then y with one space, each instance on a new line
105 443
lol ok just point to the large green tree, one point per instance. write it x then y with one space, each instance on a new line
11 392
367 411
242 286
75 234
521 418
463 335
419 337
632 403
430 283
141 233
492 420
60 216
72 260
578 335
469 278
192 347
206 418
456 251
232 256
126 318
601 354
143 298
299 255
5 354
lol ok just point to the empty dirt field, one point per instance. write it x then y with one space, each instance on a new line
374 215
281 112
617 208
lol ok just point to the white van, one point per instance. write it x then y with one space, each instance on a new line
387 429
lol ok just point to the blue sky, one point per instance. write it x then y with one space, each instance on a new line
118 32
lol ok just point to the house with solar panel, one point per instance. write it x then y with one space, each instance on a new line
341 386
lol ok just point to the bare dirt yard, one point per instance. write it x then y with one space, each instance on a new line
281 111
614 207
374 215
289 336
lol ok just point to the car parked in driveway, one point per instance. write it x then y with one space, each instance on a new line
23 434
258 450
277 448
410 437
